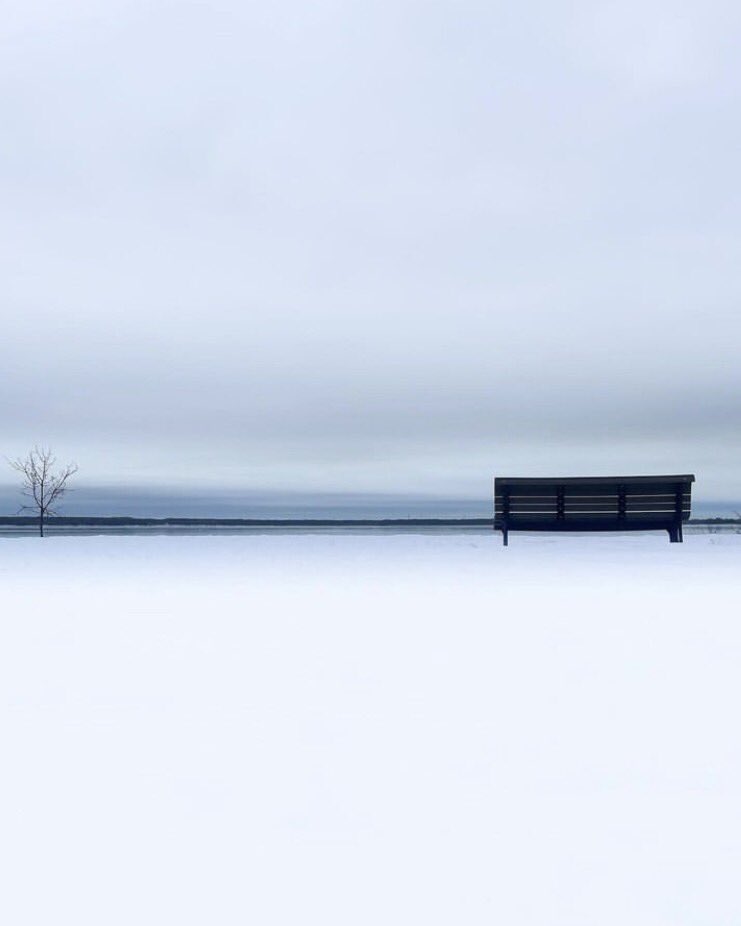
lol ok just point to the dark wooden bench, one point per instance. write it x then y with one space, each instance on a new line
593 503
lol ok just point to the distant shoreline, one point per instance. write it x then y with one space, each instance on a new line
114 521
32 523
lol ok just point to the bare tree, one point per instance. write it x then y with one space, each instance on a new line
42 483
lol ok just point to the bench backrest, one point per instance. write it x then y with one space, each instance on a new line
652 501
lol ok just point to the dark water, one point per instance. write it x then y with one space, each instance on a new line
142 502
115 501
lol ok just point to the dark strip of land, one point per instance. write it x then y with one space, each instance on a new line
21 521
241 522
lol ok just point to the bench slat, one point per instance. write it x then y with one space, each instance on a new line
607 509
591 480
666 513
579 495
576 503
599 512
590 499
663 488
656 522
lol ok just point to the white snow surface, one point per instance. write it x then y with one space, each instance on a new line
373 729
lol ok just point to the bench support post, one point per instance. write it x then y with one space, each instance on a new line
677 538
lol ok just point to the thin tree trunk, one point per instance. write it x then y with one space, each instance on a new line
41 524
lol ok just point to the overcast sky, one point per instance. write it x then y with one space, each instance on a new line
381 246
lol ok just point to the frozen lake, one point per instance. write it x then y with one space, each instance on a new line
198 530
371 728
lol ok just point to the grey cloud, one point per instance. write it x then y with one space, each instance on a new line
347 233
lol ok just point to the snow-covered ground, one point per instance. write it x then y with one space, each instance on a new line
370 729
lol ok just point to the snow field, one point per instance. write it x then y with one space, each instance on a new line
370 729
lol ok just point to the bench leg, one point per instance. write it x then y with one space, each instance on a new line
675 534
505 536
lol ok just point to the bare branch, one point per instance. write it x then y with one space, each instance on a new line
41 482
